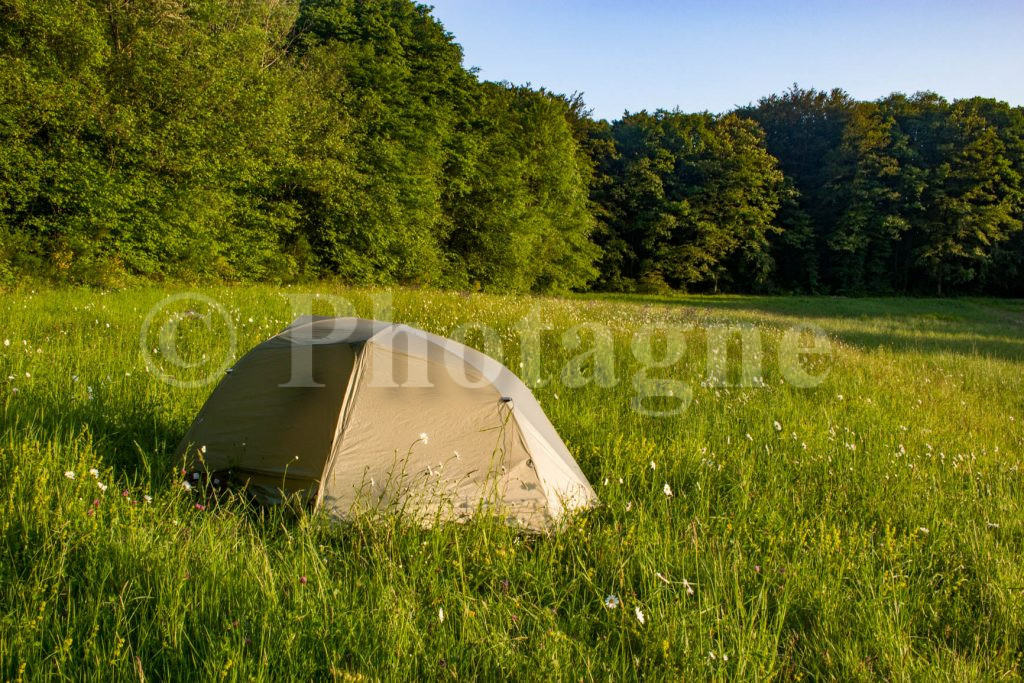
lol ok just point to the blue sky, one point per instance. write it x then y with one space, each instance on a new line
716 55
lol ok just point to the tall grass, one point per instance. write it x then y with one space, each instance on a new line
868 527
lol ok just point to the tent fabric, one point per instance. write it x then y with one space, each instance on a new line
401 419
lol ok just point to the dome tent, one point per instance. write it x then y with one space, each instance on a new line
359 414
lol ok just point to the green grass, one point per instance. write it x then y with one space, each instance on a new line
878 532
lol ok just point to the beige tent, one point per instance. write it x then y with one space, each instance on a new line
358 414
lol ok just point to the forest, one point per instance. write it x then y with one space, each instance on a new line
293 140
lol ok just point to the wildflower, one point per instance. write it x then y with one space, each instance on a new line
28 375
202 449
839 397
749 437
424 438
640 616
94 472
757 568
611 602
90 512
200 507
711 654
187 486
688 587
101 486
440 615
667 489
654 465
147 499
629 506
7 342
924 530
69 474
778 427
303 580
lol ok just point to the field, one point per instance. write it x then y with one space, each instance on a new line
862 522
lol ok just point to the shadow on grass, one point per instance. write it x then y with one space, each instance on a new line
136 439
972 310
971 327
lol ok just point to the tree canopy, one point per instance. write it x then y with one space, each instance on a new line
285 140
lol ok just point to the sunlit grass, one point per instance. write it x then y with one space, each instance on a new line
867 527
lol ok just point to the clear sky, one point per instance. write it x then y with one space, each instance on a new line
713 56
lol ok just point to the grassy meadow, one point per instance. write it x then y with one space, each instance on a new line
867 527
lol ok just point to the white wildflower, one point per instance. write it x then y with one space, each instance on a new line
101 486
611 602
148 499
640 616
69 474
654 465
424 438
667 489
778 427
7 342
440 614
94 472
924 530
187 486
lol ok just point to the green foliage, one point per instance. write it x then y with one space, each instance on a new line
689 194
904 194
266 140
290 140
521 220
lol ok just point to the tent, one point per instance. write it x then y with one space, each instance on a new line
357 415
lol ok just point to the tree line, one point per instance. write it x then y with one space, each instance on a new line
286 140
